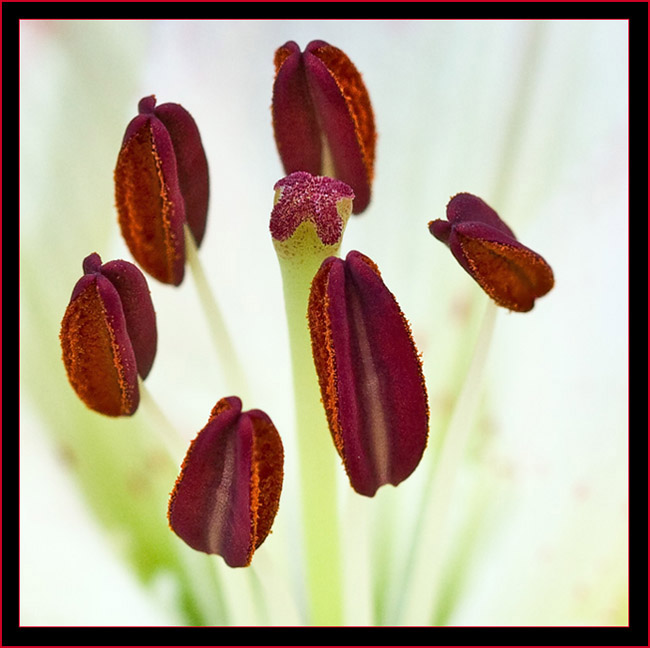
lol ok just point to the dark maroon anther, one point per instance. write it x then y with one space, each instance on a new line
228 492
509 272
369 373
108 336
161 182
322 116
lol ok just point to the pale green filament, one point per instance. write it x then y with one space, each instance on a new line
174 443
421 598
221 338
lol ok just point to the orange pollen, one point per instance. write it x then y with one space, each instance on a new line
266 479
280 56
324 357
143 205
222 405
513 276
91 355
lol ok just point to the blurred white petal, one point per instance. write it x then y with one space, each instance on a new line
530 116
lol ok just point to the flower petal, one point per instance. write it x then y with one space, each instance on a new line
369 373
226 497
319 98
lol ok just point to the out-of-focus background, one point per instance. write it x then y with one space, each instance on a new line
531 116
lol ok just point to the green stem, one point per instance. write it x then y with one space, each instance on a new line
221 338
420 601
317 456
